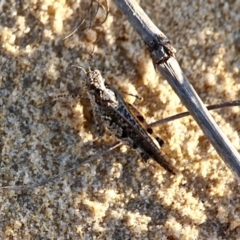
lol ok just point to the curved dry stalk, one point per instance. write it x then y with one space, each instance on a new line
46 181
93 15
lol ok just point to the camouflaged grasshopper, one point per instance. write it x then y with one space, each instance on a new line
122 119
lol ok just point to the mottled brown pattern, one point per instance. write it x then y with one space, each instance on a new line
110 108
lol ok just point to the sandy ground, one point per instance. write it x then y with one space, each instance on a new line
118 196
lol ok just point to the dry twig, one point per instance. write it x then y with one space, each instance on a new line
162 53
